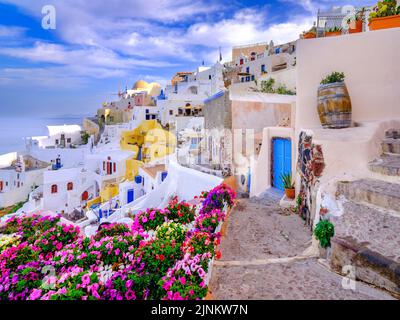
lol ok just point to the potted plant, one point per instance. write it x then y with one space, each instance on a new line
334 104
310 34
333 32
355 23
288 184
386 14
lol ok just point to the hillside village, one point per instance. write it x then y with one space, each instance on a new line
262 123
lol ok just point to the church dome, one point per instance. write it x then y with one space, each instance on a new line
140 84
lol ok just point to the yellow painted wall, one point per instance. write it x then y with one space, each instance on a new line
132 168
93 201
157 142
109 192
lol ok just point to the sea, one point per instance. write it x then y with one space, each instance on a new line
13 130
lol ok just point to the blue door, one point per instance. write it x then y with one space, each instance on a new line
281 161
131 194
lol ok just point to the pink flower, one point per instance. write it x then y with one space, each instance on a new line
85 279
59 246
117 252
182 280
35 294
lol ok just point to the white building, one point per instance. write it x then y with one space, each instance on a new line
65 136
67 189
185 98
152 176
19 178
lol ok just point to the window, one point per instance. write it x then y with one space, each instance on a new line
248 79
70 186
241 61
115 167
171 112
56 141
68 140
147 111
147 117
248 70
54 189
153 116
85 196
252 78
209 77
1 186
263 68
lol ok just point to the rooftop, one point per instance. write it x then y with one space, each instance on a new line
153 170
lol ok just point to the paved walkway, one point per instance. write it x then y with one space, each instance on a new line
266 255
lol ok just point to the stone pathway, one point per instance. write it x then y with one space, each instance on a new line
265 256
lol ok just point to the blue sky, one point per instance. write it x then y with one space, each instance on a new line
99 44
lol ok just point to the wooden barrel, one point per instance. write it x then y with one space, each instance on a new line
334 106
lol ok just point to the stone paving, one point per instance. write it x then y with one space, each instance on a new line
263 257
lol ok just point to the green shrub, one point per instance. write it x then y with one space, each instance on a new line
334 77
324 231
267 86
384 8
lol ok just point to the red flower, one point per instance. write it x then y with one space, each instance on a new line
218 255
162 258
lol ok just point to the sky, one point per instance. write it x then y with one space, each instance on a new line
97 46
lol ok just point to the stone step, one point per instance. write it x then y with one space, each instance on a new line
379 193
391 146
393 133
387 165
367 240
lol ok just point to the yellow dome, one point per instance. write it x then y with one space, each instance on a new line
140 84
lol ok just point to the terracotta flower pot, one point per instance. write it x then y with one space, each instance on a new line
385 23
333 34
356 26
309 35
290 193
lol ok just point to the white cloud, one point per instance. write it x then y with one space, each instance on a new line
11 31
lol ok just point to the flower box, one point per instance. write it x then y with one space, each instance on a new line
309 35
356 26
333 34
385 23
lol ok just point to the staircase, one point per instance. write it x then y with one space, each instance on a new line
367 235
389 162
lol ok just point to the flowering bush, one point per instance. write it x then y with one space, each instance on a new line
16 285
28 226
171 231
217 198
55 238
150 219
186 280
111 230
181 212
9 241
127 285
198 242
155 259
209 221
